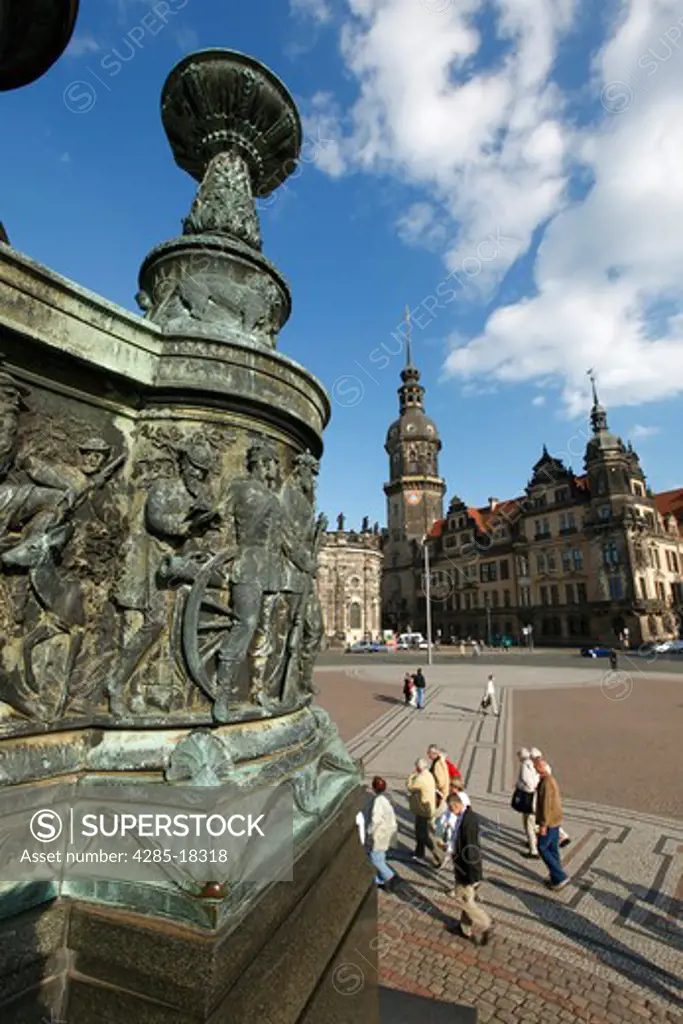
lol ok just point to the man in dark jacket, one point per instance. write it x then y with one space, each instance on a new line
420 684
475 923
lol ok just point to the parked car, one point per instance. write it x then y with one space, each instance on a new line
668 647
596 652
363 647
412 642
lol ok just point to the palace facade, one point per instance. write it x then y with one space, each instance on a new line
579 559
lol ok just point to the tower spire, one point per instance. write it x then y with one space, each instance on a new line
598 413
409 351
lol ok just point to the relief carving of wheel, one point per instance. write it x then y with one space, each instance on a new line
206 620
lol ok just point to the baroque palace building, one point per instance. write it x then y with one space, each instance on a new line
349 577
580 559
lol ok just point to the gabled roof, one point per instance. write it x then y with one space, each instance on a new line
437 528
670 503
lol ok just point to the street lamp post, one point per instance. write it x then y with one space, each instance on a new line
428 601
487 602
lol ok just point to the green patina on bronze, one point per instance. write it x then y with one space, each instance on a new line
158 531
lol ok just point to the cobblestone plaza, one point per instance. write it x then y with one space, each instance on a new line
606 949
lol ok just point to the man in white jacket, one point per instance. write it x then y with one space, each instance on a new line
489 698
528 780
380 830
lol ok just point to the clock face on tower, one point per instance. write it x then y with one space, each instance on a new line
414 498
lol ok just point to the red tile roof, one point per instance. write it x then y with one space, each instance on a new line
437 528
670 503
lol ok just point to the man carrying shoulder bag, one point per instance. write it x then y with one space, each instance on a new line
524 798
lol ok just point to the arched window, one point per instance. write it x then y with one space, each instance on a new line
354 616
412 462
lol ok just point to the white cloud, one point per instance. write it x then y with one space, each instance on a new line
65 158
538 400
318 10
323 139
641 433
488 147
422 225
494 147
82 44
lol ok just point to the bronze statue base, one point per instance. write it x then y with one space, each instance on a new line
286 961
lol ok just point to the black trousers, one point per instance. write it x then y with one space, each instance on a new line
424 838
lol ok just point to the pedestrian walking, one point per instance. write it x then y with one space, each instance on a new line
489 698
453 770
524 798
408 688
439 769
420 685
474 923
457 788
445 824
422 790
535 753
549 819
613 660
463 650
380 830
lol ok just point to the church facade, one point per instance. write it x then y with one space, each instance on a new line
349 579
574 559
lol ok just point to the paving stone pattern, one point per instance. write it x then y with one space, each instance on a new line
607 949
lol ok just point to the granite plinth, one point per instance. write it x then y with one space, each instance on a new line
276 965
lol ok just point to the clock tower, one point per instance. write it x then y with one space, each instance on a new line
414 495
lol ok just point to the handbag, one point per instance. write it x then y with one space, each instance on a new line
522 802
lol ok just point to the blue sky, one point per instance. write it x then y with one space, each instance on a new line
527 148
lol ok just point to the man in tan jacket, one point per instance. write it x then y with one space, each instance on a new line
548 820
439 769
422 791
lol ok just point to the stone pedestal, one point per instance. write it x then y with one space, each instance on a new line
283 962
159 618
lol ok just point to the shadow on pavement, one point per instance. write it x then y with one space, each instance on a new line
384 699
663 927
402 1008
602 944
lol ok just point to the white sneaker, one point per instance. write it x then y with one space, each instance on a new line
560 885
